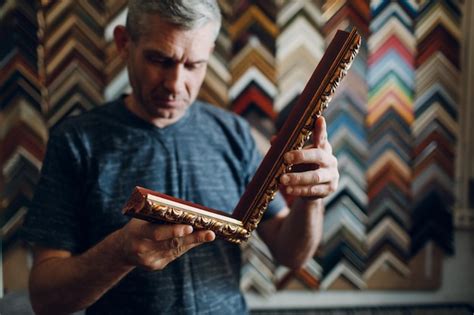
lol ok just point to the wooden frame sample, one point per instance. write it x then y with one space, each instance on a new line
238 226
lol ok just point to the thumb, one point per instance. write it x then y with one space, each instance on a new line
320 134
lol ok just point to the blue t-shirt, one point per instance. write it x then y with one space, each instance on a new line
92 164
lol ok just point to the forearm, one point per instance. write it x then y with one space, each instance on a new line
66 285
299 235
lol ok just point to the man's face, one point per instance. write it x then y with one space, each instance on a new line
166 67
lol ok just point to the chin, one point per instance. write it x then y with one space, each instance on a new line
168 113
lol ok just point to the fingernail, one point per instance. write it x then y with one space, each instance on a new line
188 229
289 190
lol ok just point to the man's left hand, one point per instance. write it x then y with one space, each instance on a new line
320 176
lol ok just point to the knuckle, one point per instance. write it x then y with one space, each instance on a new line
316 177
333 186
310 154
174 243
298 156
178 251
295 179
303 154
304 191
157 264
328 148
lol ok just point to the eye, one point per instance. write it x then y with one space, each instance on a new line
194 65
159 60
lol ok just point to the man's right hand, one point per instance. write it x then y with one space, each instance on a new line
62 283
154 246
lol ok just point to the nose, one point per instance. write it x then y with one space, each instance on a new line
175 78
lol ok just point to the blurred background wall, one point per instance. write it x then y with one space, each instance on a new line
398 231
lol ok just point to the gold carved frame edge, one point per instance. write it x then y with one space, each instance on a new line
140 205
319 102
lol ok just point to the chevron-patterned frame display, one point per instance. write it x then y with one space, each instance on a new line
393 124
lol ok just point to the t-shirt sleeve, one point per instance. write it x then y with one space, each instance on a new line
254 160
53 219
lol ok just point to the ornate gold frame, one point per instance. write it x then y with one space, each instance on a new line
238 226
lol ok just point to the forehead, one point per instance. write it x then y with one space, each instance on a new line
177 42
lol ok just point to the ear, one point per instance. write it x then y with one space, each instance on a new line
122 41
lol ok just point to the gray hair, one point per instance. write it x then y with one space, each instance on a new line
186 14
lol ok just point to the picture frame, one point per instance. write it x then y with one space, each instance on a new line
297 129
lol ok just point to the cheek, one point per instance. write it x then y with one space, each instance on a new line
195 81
149 74
147 77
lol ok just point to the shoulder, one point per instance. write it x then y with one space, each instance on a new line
76 135
86 122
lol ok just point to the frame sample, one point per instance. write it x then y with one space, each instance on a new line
238 226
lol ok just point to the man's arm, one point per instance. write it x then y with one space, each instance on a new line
294 236
61 283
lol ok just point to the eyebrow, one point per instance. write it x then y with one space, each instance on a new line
161 54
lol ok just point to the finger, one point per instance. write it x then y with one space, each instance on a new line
314 177
167 251
325 145
314 155
159 232
319 132
153 255
177 244
316 191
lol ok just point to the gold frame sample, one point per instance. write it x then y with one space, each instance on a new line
238 226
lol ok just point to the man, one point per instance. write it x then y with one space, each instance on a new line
88 255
